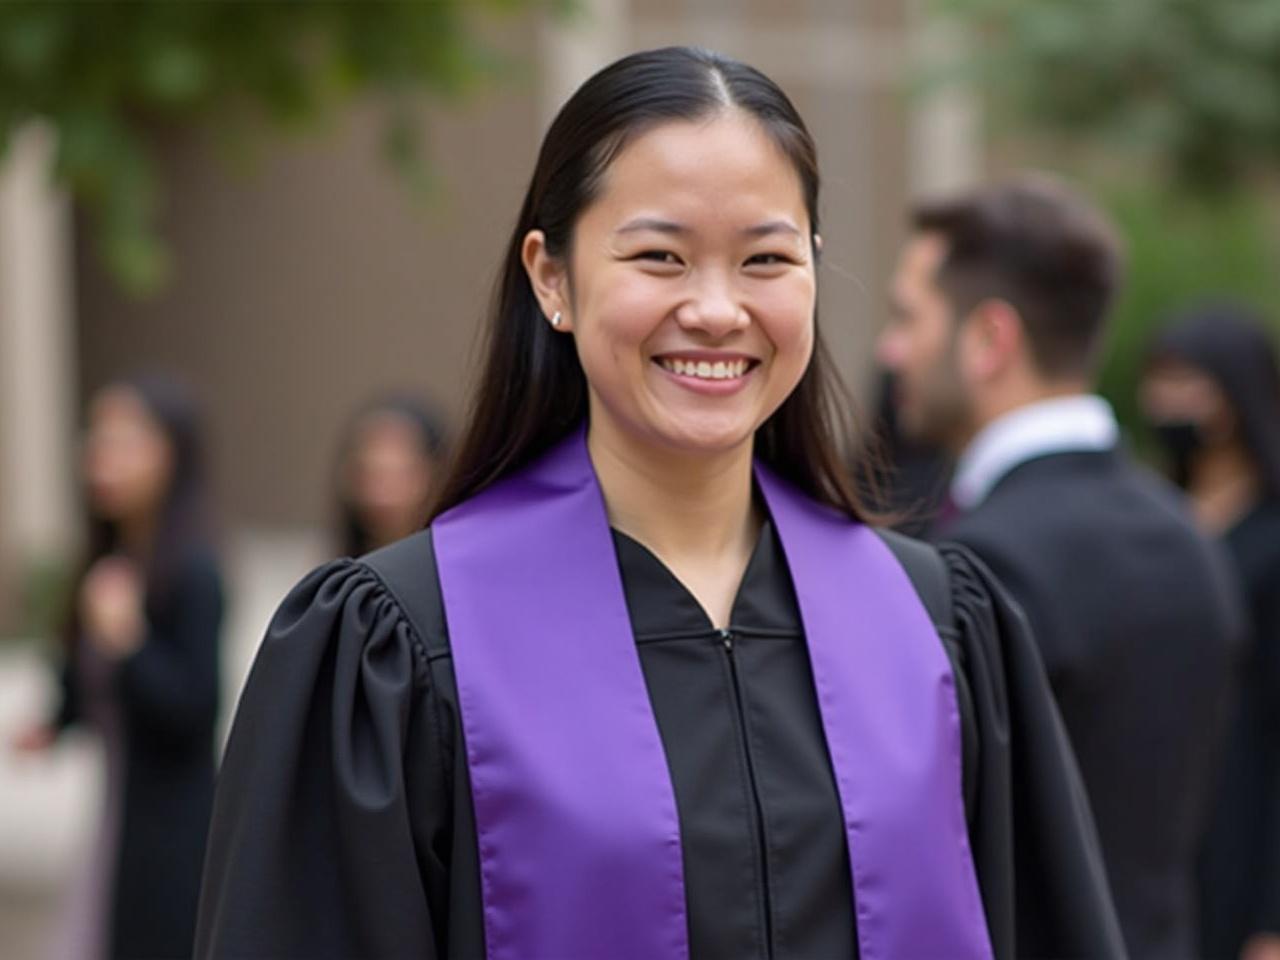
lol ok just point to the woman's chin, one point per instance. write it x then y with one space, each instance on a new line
677 429
709 436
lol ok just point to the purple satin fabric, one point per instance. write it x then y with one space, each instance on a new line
575 813
888 704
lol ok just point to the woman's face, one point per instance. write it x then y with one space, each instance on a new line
389 476
128 460
690 287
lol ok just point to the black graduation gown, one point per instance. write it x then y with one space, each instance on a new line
343 825
166 693
1240 859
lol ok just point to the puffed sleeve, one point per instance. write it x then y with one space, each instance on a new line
321 843
1034 843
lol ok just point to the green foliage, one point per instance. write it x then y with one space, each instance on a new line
43 594
1193 82
107 74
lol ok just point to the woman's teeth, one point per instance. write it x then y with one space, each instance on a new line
706 369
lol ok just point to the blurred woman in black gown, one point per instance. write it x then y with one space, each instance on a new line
141 669
1212 395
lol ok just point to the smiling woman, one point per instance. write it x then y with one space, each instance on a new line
672 287
648 686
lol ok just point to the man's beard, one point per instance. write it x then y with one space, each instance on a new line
944 416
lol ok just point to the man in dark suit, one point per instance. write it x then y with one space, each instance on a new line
999 304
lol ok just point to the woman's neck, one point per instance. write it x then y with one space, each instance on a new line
695 512
1225 484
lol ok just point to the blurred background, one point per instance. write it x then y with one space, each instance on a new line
297 207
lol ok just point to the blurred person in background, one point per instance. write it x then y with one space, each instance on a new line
389 459
141 670
999 307
1211 394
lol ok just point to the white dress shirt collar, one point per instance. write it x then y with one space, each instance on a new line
1060 425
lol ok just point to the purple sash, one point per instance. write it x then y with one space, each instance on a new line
575 814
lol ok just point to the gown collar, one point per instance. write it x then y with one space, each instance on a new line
661 606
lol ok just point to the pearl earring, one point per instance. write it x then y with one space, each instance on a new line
555 320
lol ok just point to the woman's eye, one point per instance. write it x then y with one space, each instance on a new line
659 256
767 260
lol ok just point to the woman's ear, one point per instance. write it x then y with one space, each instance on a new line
549 279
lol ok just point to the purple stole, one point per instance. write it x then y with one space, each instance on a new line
576 822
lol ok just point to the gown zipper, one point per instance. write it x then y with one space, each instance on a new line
726 638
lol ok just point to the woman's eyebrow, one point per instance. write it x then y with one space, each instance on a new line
771 227
659 225
656 224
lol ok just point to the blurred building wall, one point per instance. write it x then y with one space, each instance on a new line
313 279
37 371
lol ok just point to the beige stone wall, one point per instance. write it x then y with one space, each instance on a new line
38 520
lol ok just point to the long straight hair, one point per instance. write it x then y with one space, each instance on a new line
532 391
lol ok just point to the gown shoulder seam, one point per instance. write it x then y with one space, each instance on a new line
421 672
416 643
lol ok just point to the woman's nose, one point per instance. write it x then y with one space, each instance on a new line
713 308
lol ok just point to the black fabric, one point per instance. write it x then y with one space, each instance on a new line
343 823
167 692
1240 858
928 572
1136 617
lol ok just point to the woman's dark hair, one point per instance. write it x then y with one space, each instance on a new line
184 519
427 423
912 475
532 390
1231 344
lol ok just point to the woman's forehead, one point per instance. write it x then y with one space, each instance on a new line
1171 367
119 402
726 165
1175 384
